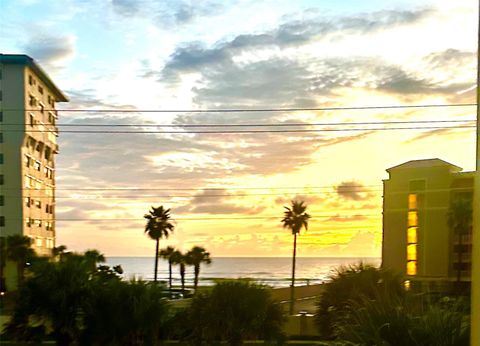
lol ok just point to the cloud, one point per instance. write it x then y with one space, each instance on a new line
127 7
352 190
308 199
51 50
339 218
216 202
166 13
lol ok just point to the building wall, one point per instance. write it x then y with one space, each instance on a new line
12 98
29 146
431 190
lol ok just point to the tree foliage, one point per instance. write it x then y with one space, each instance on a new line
158 226
404 322
352 283
166 254
231 312
73 300
195 257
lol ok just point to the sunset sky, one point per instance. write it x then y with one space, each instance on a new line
227 191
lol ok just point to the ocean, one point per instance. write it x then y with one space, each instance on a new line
272 271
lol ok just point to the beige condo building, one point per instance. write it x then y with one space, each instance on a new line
417 241
28 145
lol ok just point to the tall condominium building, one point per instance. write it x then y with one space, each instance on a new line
416 238
28 144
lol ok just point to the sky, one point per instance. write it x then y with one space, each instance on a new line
227 191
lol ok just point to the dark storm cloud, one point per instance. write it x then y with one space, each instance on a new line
50 50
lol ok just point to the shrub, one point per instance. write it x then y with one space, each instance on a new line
403 322
353 283
232 312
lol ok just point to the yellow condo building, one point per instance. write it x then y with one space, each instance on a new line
28 145
417 241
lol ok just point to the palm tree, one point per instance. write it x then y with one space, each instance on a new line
195 257
180 259
166 254
19 251
59 251
92 258
158 226
459 219
295 218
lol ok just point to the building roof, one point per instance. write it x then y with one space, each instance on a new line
426 163
22 59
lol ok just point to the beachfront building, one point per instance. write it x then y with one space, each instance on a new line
28 144
417 241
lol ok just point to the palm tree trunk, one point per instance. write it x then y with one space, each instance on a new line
197 273
170 274
292 286
182 275
156 261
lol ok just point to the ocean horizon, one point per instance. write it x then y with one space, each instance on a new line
272 271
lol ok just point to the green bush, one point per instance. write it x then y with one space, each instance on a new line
353 283
231 312
404 322
75 301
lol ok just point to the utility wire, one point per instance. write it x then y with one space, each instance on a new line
250 124
254 131
243 110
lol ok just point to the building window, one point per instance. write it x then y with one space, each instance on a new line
31 119
38 204
412 201
417 185
2 181
412 252
30 79
39 242
1 158
1 117
412 235
2 201
40 89
1 136
32 101
2 221
37 165
28 222
28 160
27 201
412 219
412 268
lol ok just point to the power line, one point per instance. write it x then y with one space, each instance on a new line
253 125
244 110
201 189
253 131
345 217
